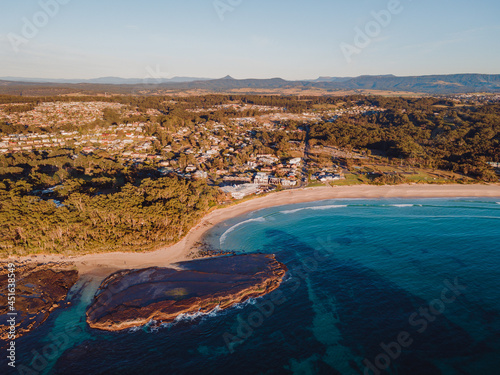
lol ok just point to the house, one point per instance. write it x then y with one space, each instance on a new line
252 164
200 175
274 180
285 182
269 160
330 177
261 179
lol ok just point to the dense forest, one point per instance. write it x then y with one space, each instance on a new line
460 139
135 218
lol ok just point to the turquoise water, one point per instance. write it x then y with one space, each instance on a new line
374 287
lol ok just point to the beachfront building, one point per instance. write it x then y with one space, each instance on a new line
241 191
261 179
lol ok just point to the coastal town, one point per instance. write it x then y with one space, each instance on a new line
195 152
253 150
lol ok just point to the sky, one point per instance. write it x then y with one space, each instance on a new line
290 39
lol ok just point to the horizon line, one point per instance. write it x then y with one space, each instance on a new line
246 78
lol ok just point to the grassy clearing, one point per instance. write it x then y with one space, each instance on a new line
351 179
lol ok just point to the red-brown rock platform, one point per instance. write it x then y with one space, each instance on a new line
134 298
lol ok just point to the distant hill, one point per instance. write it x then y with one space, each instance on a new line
332 79
432 84
229 83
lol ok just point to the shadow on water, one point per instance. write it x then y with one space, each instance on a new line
349 308
370 310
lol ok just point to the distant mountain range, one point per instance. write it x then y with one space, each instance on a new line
432 84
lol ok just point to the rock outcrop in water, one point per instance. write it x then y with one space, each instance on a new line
40 289
133 298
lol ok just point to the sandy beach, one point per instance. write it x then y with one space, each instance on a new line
104 264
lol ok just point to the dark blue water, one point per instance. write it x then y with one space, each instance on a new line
374 287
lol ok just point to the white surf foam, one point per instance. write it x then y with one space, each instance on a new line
314 208
190 317
186 317
227 232
241 305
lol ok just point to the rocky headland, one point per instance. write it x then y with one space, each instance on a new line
39 290
134 298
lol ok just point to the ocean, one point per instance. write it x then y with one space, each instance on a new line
385 286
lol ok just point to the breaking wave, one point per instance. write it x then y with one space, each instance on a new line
314 208
187 317
152 326
227 232
405 205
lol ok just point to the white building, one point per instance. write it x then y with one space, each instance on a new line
295 161
200 175
241 191
261 179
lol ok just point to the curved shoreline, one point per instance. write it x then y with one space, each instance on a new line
103 264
